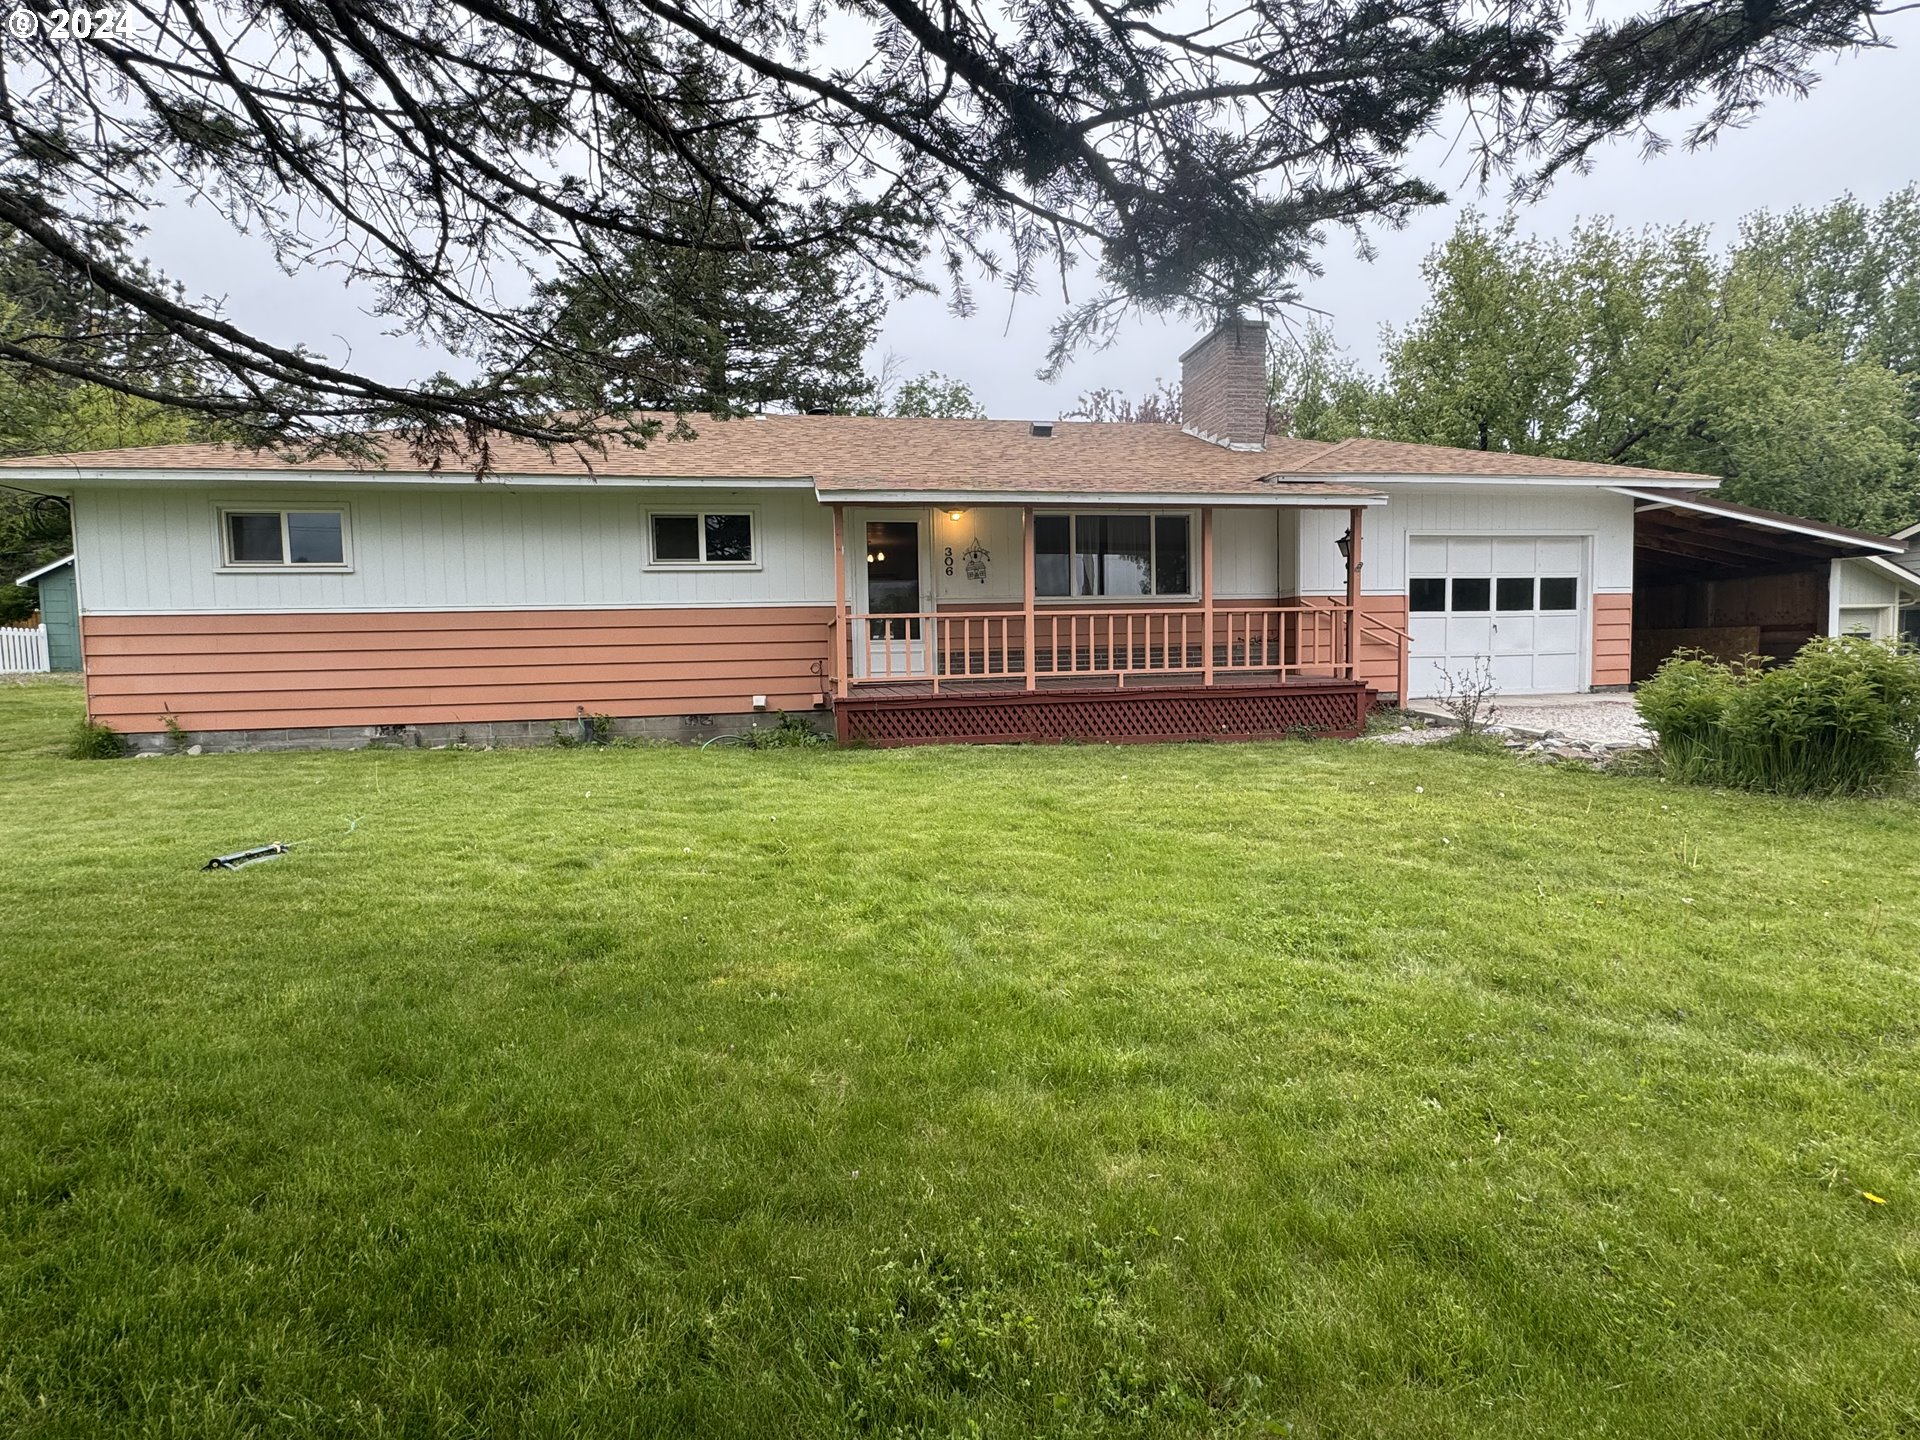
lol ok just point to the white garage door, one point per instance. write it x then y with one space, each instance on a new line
1518 602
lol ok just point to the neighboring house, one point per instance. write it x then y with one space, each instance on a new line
1910 606
921 579
59 611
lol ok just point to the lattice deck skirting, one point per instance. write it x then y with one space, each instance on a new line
1336 708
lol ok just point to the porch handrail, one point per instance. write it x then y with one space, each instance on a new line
1117 642
1402 642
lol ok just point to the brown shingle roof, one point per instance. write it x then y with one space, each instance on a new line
1363 456
855 452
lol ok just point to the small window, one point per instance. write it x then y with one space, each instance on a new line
729 539
1559 592
315 538
1513 594
267 538
254 540
703 538
1472 595
676 538
1427 596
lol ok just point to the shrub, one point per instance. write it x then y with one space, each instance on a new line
786 731
1842 718
585 730
94 741
1685 705
1468 695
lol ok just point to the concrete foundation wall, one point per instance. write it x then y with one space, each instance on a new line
481 735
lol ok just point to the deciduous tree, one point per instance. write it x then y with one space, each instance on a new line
1766 365
933 396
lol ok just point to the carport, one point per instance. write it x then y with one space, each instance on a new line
1733 581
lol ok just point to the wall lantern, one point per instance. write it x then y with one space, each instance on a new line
1345 546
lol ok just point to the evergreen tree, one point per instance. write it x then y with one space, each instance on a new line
443 154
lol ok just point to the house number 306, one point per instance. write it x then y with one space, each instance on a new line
947 561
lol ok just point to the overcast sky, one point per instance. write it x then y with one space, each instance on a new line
1855 132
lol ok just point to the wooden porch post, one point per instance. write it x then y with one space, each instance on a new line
842 611
1353 593
1026 591
1206 594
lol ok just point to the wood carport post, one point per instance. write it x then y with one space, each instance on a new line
842 609
1354 517
1206 597
1027 584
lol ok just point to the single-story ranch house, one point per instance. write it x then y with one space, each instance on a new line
920 579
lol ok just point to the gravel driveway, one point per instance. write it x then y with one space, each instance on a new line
1583 719
1594 722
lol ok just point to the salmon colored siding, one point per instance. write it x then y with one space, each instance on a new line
1379 653
1612 639
255 671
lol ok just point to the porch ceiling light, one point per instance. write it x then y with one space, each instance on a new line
955 514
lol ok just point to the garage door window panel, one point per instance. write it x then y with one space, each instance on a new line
1513 594
1559 593
1472 595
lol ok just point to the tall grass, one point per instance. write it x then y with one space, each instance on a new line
1842 718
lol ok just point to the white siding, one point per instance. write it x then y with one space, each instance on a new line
151 550
1856 584
998 531
1465 510
1246 561
1862 600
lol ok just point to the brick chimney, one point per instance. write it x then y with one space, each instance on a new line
1223 385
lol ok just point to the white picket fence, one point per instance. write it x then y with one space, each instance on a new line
23 652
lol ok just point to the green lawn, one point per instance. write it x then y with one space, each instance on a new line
1316 1089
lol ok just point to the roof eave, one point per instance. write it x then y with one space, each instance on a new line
33 575
396 478
829 495
1834 535
1576 482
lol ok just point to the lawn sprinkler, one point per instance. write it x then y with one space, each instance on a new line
248 857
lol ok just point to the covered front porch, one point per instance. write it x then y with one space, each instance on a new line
1113 628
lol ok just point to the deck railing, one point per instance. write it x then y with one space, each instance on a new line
1121 645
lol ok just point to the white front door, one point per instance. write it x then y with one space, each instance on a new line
1515 604
888 575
